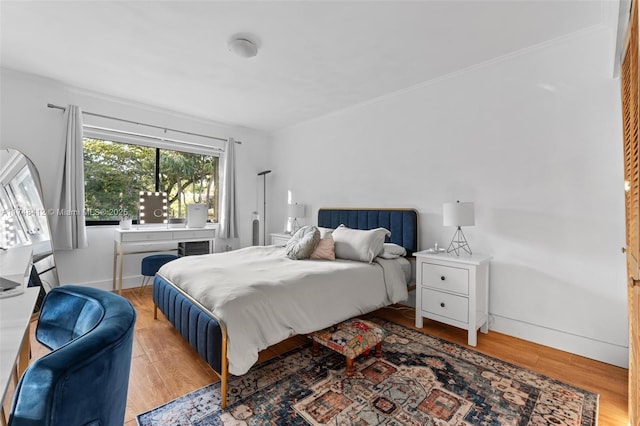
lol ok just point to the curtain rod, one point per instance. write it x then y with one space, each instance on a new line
158 138
143 124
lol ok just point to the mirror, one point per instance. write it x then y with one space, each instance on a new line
24 220
153 207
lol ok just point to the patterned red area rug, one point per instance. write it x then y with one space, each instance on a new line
420 380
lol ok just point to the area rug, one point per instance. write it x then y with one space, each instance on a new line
420 380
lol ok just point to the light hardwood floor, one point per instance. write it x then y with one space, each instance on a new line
165 367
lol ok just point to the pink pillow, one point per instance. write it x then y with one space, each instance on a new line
324 250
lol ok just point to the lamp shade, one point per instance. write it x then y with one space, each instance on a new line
295 210
458 214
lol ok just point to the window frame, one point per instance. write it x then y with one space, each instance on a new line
117 136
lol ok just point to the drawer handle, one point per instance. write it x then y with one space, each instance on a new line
442 304
442 278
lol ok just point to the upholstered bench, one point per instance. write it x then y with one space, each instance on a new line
350 338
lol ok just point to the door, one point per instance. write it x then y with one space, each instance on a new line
629 82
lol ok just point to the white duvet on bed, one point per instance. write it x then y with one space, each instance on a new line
263 297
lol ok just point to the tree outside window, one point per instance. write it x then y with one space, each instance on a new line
116 172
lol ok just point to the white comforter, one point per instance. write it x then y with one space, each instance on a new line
263 297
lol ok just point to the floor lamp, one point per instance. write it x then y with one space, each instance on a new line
264 199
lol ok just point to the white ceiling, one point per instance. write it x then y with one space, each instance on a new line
315 57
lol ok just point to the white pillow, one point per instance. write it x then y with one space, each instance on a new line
325 232
303 243
392 251
357 244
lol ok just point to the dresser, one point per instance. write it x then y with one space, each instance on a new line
453 290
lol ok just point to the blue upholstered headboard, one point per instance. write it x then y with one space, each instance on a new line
403 223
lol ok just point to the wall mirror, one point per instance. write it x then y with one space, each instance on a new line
153 207
23 219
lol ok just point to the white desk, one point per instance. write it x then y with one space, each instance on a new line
124 240
15 265
15 316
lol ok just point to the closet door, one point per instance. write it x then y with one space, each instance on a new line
629 81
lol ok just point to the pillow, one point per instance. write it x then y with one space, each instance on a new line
392 251
325 232
303 242
325 249
357 244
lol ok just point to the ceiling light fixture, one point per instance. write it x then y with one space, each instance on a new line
243 47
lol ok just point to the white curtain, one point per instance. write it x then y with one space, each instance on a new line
228 216
68 222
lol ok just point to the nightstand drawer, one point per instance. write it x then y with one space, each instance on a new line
446 305
446 278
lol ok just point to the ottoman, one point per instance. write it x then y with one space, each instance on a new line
350 338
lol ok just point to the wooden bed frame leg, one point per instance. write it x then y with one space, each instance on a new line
225 372
223 392
155 311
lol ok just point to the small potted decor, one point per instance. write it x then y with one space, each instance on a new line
125 222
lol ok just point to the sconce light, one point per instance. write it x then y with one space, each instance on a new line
458 214
153 207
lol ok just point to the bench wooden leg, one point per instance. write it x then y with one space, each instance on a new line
379 350
349 367
316 348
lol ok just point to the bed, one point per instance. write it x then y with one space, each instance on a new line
227 333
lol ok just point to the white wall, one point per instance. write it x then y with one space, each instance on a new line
535 141
28 125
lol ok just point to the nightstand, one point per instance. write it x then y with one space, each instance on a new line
453 290
280 239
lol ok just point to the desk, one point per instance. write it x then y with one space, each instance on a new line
124 239
15 316
15 265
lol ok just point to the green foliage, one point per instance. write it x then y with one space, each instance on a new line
116 172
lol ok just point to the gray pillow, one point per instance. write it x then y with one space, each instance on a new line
303 243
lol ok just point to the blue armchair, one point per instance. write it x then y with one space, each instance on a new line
83 381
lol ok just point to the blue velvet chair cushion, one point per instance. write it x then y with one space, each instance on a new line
84 380
151 264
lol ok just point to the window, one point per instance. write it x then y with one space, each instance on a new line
116 172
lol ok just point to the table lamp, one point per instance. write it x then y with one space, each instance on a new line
458 214
295 211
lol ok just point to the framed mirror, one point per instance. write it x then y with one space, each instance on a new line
153 207
24 221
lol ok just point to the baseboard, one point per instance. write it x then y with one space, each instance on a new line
127 282
590 348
